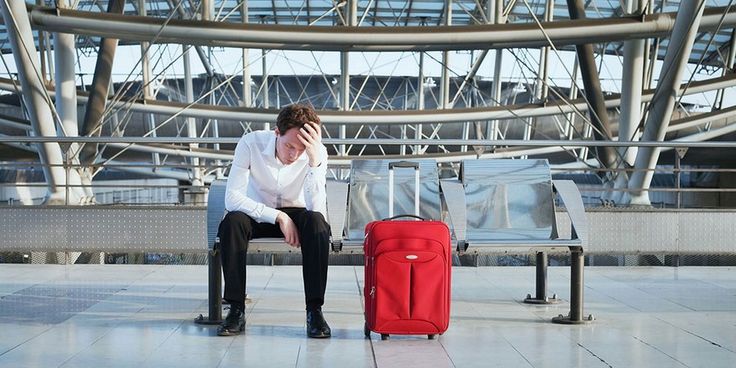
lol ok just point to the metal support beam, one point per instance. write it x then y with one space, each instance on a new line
663 102
237 113
37 104
593 93
94 113
631 91
444 102
208 10
200 52
246 60
495 15
351 20
147 87
66 107
268 36
191 123
540 88
420 103
728 67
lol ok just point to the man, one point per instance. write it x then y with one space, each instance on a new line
276 188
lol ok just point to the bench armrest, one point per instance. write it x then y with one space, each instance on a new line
570 196
454 193
337 205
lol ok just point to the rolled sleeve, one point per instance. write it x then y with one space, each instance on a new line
315 191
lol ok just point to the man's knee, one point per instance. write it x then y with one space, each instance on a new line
236 220
315 221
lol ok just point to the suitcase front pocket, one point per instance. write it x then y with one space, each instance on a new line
409 286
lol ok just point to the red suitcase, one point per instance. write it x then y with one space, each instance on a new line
408 268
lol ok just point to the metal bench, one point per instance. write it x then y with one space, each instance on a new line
510 204
368 199
336 204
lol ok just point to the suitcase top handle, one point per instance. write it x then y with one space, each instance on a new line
400 216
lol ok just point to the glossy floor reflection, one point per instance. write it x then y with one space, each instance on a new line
141 316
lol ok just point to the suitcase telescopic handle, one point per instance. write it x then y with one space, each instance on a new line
402 164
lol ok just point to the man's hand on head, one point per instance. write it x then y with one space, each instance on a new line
311 137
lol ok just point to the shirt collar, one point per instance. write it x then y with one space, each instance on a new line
270 151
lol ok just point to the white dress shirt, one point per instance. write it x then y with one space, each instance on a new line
259 183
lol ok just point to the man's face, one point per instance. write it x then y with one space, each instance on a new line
288 146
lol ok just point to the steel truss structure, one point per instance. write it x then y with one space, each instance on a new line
453 79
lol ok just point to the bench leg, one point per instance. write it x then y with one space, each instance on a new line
575 317
214 286
541 297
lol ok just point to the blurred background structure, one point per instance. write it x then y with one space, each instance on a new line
141 102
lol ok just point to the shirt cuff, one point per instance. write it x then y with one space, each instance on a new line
269 215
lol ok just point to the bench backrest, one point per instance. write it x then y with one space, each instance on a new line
508 200
368 199
336 205
511 203
215 209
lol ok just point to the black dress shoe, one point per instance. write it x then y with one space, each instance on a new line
234 323
317 327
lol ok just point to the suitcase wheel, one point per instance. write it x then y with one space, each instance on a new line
366 331
431 337
384 336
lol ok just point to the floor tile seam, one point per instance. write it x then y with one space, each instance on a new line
622 285
362 307
557 331
27 340
479 314
168 336
711 342
654 347
529 308
92 343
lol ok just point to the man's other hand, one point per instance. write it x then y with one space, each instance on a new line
287 226
311 137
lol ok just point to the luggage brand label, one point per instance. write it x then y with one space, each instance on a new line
412 257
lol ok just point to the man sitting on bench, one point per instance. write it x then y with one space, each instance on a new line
276 188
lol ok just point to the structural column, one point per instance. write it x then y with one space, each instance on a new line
444 102
495 14
631 89
35 97
665 95
351 19
540 89
147 88
95 112
420 102
593 93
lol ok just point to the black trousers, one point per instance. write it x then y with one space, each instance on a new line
237 229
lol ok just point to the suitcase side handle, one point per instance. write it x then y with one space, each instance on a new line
400 216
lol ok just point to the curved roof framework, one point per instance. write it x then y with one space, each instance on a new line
424 71
708 50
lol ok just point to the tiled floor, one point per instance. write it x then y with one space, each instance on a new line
141 316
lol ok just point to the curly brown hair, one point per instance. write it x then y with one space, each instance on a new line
295 116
